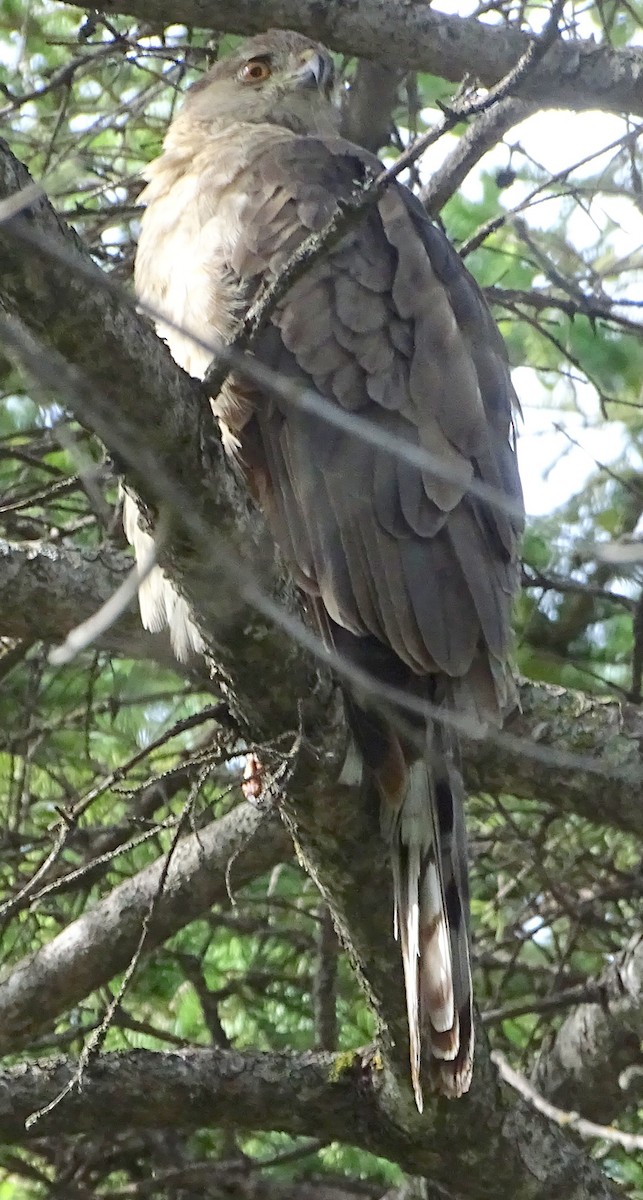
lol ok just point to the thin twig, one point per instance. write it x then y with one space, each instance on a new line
95 1041
585 993
533 578
568 1120
495 223
69 817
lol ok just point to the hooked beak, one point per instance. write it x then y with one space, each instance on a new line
316 71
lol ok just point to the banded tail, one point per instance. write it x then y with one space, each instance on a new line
422 816
427 844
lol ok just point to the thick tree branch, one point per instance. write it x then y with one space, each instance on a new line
47 589
337 1100
367 118
99 945
164 420
245 1182
575 74
581 1071
588 752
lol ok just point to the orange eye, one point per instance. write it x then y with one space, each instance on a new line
257 70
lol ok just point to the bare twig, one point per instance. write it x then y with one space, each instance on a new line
568 1120
96 1039
484 133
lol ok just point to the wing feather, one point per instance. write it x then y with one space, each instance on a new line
388 324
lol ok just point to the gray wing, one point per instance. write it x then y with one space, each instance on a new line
390 326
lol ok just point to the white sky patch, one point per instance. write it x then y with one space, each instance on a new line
552 468
81 122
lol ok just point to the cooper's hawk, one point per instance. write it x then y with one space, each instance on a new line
407 573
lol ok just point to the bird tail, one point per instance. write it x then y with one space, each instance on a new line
411 768
427 844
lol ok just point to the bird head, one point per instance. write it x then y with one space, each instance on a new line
279 78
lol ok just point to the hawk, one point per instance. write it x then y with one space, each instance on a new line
407 573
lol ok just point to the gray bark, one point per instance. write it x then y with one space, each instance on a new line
483 1149
579 753
47 590
582 1070
574 74
367 116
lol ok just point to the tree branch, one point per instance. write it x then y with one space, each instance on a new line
581 1071
245 1181
353 874
480 136
100 943
47 589
600 736
338 1099
576 74
164 424
367 118
569 1120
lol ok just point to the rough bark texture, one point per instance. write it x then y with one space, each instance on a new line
164 421
580 753
575 74
339 1097
47 590
595 1043
581 1071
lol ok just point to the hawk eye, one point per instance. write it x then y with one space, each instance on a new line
257 70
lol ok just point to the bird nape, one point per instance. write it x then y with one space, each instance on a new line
403 568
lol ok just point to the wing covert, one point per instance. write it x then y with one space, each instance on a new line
388 325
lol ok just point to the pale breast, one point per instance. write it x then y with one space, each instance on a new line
195 202
182 266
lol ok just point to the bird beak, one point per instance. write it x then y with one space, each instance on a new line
315 71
